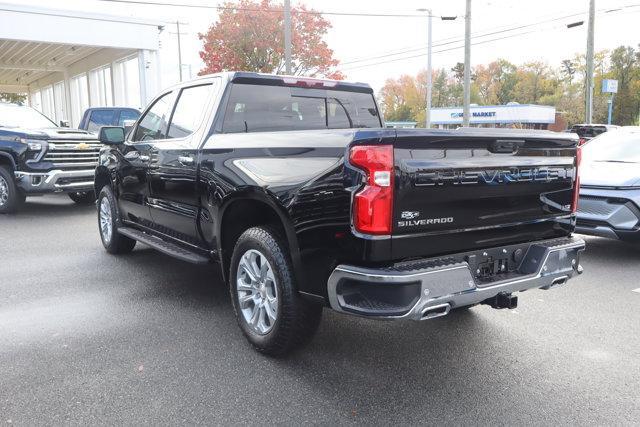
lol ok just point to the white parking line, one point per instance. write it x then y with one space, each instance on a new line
636 290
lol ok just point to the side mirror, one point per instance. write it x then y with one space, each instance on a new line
111 135
64 123
128 125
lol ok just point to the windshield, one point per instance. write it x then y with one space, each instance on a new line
16 116
614 146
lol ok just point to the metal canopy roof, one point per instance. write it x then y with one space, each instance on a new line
22 62
36 42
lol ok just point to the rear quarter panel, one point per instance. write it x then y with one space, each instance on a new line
302 175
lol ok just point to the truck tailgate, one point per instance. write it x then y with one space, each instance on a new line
477 188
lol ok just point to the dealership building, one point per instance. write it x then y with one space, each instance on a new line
526 116
67 61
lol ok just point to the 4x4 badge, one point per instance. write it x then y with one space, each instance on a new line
409 214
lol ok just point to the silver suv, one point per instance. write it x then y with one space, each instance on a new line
609 204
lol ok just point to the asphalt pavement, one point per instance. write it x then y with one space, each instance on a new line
91 338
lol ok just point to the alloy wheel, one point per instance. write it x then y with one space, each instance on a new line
4 191
257 292
106 227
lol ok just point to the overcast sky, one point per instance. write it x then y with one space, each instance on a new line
355 38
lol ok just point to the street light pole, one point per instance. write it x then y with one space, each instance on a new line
429 72
179 50
466 110
287 36
589 76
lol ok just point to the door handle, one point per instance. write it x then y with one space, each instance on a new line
134 155
185 160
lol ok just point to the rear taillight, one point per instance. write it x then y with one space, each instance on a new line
576 182
373 204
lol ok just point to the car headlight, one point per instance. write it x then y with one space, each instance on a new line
35 149
32 144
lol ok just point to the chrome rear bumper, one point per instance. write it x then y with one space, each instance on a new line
55 181
431 292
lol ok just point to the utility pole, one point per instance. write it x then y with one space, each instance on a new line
427 121
589 76
179 50
287 36
466 111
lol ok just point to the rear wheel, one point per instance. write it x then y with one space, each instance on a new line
11 198
83 197
113 242
271 314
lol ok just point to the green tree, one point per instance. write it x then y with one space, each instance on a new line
568 70
458 71
14 98
535 84
625 68
495 82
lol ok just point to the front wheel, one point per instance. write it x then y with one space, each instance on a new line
83 197
11 198
113 242
271 314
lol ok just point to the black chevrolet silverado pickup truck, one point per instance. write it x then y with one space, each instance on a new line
38 157
296 189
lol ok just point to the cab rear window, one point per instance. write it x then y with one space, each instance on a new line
259 108
588 131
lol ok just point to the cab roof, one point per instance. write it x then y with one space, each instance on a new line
248 77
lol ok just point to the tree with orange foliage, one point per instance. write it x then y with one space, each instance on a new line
249 36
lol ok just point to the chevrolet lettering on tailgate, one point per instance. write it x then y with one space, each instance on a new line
491 176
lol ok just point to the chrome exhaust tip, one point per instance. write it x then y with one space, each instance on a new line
435 311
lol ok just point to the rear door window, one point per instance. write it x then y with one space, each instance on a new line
191 106
258 108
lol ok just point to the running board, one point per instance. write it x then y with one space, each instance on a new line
164 247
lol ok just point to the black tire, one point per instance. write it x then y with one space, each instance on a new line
11 197
114 242
297 319
83 197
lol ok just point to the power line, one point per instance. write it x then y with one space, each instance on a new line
441 50
307 12
456 40
449 49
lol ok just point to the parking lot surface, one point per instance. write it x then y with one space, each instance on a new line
87 337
